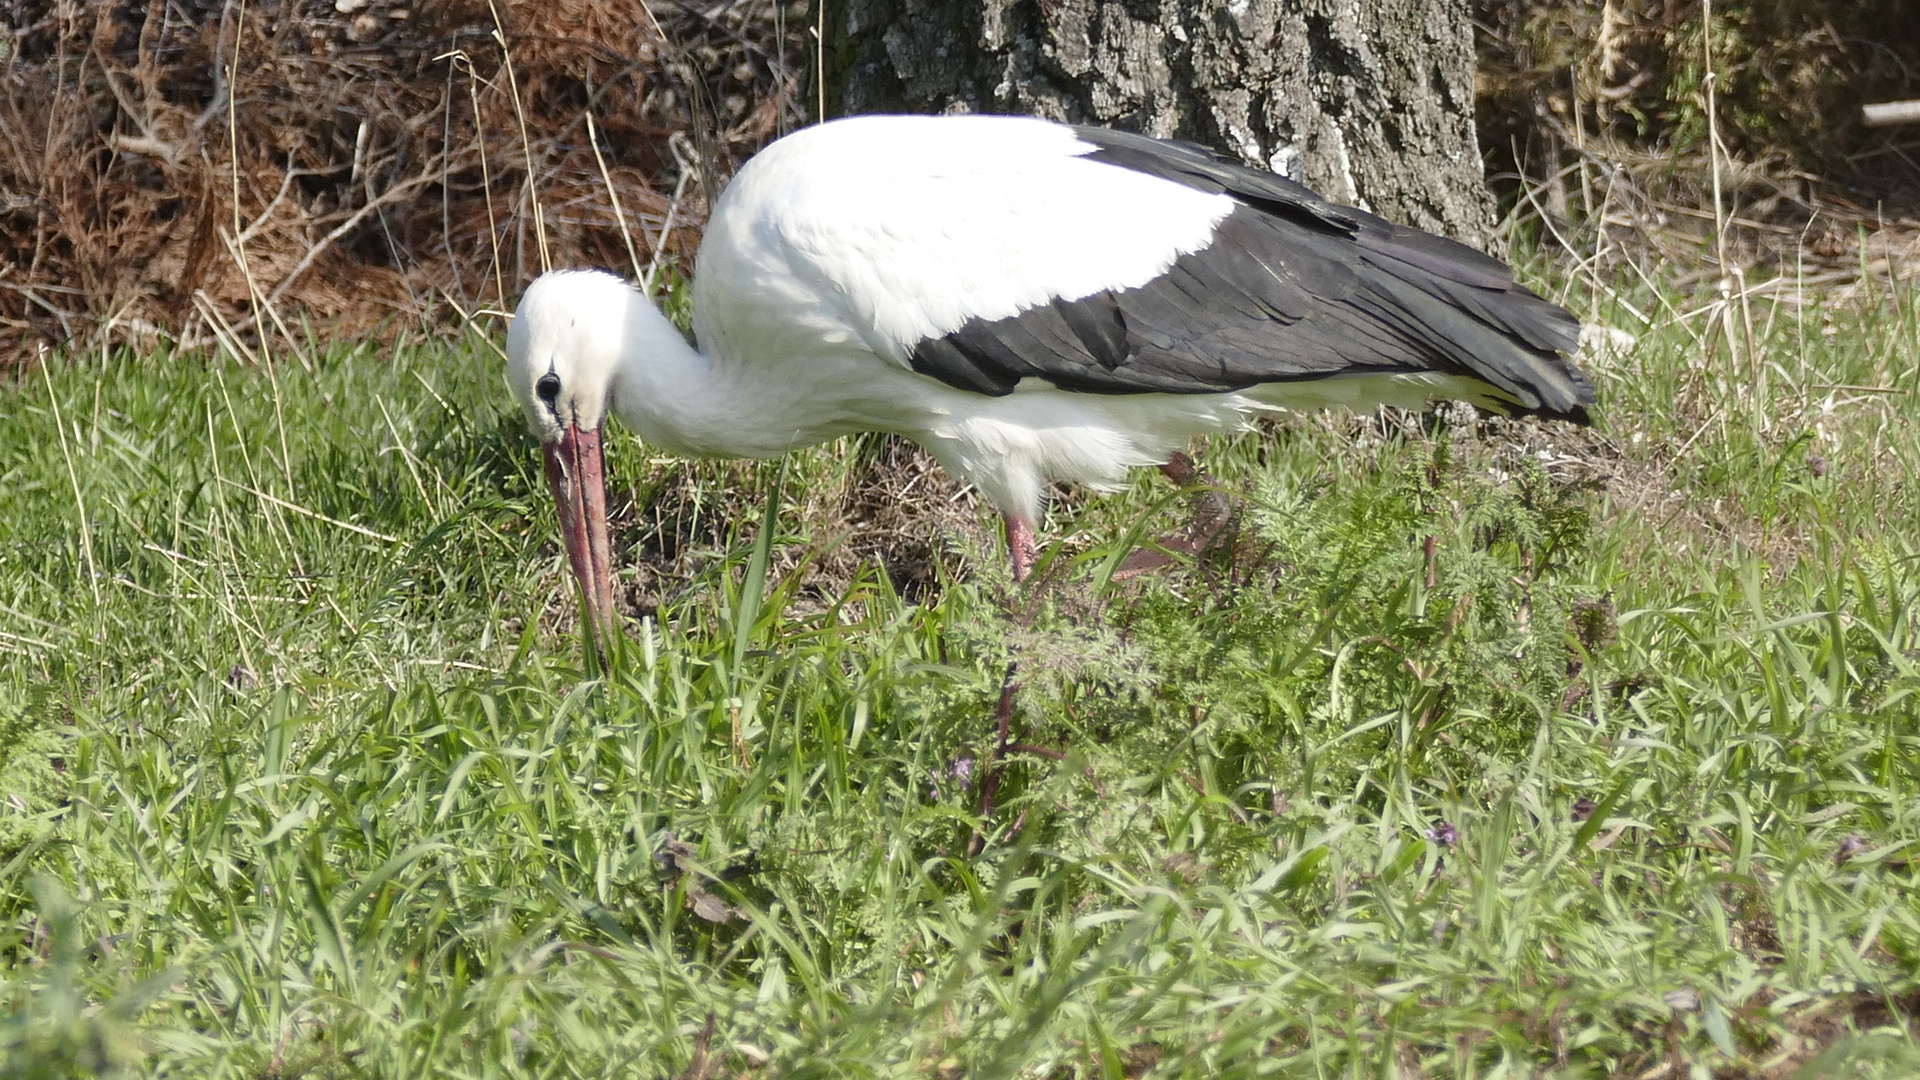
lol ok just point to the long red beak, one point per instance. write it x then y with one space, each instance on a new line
577 470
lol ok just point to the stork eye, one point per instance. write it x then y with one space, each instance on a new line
548 387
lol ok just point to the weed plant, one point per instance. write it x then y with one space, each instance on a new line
1483 750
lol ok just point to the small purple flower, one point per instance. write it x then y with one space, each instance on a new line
1443 834
1583 808
959 770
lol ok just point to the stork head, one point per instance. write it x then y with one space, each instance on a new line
563 354
565 347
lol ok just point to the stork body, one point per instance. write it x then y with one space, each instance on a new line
1029 301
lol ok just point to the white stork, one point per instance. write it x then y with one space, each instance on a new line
1031 302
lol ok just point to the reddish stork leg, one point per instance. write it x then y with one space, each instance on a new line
990 777
1212 512
1181 469
1023 550
1020 546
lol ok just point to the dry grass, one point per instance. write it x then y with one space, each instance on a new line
1637 132
195 172
181 171
1789 75
885 504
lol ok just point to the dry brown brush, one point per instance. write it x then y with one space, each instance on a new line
188 169
195 169
1624 114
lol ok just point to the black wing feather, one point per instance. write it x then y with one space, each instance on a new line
1096 322
1292 287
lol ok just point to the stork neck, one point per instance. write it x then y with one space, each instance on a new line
665 389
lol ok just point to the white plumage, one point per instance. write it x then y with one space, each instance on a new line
1016 296
902 228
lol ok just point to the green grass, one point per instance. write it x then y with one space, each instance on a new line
301 773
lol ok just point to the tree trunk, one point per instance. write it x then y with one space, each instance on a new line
1368 103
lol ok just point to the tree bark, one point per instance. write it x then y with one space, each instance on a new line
1369 102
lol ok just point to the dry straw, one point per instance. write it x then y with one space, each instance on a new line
234 173
1698 141
228 175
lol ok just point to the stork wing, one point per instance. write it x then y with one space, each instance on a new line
982 250
1291 287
